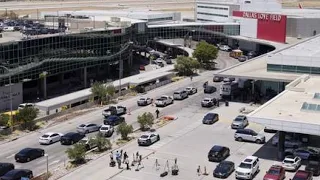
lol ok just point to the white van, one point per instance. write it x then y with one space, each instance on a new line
179 95
8 28
21 106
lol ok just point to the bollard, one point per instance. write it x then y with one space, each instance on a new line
227 103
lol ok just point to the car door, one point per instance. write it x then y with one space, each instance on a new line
152 137
54 137
251 136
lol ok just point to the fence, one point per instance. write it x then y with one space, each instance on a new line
162 83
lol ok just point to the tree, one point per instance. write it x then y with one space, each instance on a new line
101 142
186 65
124 129
99 90
77 153
4 119
145 120
206 54
110 90
27 116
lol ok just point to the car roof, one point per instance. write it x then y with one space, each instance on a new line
302 174
106 125
211 114
70 133
290 157
241 116
207 98
250 159
275 167
49 133
216 148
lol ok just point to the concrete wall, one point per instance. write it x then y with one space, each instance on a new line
17 96
303 27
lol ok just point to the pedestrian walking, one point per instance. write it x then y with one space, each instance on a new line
125 157
199 171
127 164
119 163
111 156
157 113
137 156
121 151
191 77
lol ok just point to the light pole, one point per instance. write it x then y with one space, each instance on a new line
47 157
10 94
121 64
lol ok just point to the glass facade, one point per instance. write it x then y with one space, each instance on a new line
293 69
61 53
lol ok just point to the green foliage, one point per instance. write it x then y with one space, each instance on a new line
4 119
124 129
26 116
101 142
206 54
186 65
145 120
102 92
77 153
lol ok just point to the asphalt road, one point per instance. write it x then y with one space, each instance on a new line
56 151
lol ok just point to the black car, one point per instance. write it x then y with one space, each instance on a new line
113 120
313 166
17 174
223 169
210 118
217 79
28 154
71 138
5 167
218 153
209 89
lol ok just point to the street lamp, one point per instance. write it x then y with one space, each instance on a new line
121 64
47 157
10 94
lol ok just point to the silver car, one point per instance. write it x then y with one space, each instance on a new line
289 141
249 135
87 128
240 122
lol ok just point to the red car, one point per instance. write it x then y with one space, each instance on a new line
142 68
303 175
275 173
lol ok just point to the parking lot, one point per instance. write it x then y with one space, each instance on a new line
191 142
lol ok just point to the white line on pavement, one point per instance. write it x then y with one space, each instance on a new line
54 162
10 156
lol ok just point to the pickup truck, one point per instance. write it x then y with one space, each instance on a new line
164 100
114 110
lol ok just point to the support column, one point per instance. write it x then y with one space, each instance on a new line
45 87
281 145
85 78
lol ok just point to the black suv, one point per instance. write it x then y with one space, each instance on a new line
313 166
210 118
5 167
28 154
218 153
113 120
71 138
17 174
209 89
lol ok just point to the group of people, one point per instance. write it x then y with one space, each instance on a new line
121 157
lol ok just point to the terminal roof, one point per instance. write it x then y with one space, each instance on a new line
288 110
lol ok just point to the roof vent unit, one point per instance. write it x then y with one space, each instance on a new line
115 19
310 107
316 96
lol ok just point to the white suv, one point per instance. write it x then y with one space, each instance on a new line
248 168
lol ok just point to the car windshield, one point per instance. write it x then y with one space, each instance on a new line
288 161
245 165
238 119
188 88
142 99
206 100
45 136
82 125
273 171
144 136
104 128
23 151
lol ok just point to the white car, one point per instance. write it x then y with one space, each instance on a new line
191 90
87 128
248 168
291 163
148 139
88 143
224 48
50 137
164 100
106 130
208 102
144 101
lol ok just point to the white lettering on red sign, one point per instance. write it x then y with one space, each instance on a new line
262 16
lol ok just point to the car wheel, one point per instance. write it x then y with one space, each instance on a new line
158 138
87 131
258 141
239 139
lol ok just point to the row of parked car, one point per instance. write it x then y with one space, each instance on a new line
249 167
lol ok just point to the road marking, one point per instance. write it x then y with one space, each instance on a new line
10 156
54 162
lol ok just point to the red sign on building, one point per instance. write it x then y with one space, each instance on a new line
270 27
